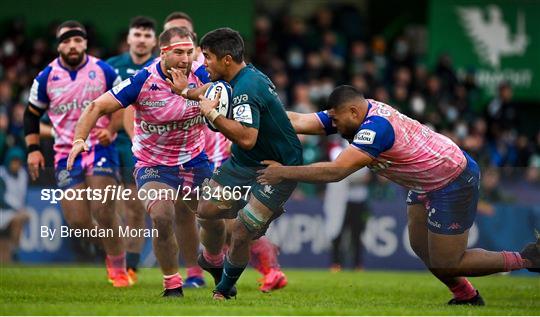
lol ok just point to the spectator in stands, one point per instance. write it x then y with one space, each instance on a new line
13 186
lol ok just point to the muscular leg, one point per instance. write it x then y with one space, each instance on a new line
418 237
449 257
187 234
212 230
105 214
162 214
77 214
246 226
135 218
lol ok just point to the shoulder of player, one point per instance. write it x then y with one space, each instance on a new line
43 75
252 85
376 120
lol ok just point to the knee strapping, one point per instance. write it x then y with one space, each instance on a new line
251 219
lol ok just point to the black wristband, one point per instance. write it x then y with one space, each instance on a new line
33 148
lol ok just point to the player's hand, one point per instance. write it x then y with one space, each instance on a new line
104 136
36 161
206 105
76 149
271 175
179 80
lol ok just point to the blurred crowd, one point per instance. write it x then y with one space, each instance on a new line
306 58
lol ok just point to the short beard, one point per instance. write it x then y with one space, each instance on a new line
73 62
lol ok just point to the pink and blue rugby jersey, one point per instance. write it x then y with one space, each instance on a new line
66 93
218 147
168 128
404 150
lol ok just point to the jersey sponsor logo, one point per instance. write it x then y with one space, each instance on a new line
64 178
383 112
239 99
150 173
154 87
55 78
57 91
434 223
365 136
93 88
153 103
242 113
123 84
70 106
149 128
192 103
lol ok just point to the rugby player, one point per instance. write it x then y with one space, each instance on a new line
187 231
263 254
63 89
443 183
168 142
257 112
141 40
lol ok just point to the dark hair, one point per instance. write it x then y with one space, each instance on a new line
177 16
143 23
166 36
341 95
72 24
224 41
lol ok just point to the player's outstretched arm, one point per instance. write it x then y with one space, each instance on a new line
348 161
103 105
305 123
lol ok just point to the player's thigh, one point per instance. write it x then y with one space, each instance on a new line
272 196
77 211
103 208
132 203
218 199
418 232
155 192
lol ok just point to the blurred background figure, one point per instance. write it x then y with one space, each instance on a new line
13 216
347 210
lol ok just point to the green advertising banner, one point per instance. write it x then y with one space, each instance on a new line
496 40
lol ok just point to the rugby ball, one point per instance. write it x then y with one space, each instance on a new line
225 100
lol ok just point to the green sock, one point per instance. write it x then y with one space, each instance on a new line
231 274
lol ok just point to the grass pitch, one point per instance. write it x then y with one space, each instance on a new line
85 291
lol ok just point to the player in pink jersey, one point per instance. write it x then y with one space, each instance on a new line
64 89
443 183
187 231
168 142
